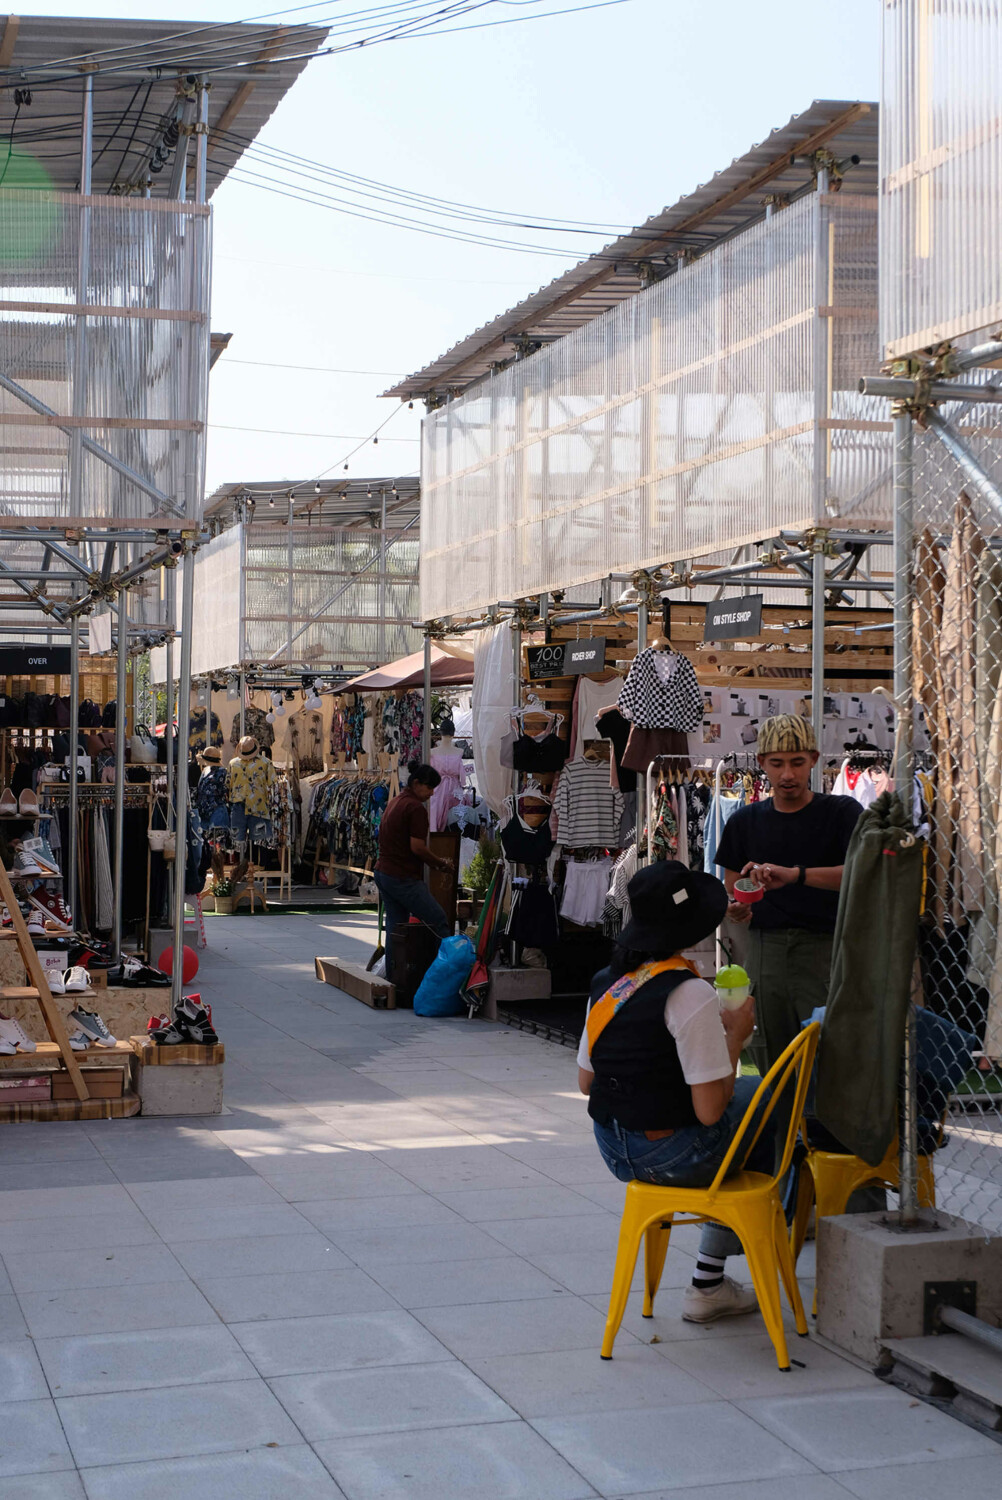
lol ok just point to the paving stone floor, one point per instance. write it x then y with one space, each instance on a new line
382 1275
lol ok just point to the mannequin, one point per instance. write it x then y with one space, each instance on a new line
448 762
249 782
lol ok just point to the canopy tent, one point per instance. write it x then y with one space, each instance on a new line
449 668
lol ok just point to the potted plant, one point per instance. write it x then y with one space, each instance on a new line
224 897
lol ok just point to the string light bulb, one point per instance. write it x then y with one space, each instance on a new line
316 488
271 501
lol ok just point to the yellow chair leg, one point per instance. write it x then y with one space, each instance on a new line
788 1272
758 1235
655 1250
630 1230
926 1183
802 1215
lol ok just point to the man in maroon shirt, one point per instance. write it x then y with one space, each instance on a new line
403 853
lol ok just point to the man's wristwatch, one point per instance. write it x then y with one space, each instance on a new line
801 874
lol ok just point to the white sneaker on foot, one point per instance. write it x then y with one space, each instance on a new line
727 1300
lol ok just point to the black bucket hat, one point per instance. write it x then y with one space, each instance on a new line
672 908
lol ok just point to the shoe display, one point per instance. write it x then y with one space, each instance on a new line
52 907
36 923
171 1035
79 1042
24 865
75 981
92 1026
135 975
91 954
195 1020
12 1031
728 1300
7 1049
40 849
8 803
56 981
157 1023
27 805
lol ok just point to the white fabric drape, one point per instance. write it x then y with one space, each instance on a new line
493 699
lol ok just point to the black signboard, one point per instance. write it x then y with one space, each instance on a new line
34 661
726 619
566 659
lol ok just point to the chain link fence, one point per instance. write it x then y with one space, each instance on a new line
955 642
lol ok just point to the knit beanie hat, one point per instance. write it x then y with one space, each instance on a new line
786 734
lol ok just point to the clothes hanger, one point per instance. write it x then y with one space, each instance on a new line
662 641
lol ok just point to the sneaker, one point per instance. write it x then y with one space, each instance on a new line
199 1031
91 955
27 805
7 1049
52 907
44 857
189 1007
135 975
56 981
8 803
36 923
92 1026
12 1031
157 1023
727 1300
24 865
171 1035
79 1042
76 981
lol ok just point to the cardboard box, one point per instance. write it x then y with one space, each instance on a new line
34 1090
102 1083
356 981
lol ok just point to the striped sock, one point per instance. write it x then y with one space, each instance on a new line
709 1271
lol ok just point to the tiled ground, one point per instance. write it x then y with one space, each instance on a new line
382 1275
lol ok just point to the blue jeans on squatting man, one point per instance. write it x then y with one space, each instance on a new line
690 1158
406 898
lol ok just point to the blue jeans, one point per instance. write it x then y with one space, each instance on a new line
408 898
245 825
690 1158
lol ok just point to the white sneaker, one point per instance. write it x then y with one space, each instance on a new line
12 1031
57 982
76 981
36 924
79 1042
727 1300
7 1049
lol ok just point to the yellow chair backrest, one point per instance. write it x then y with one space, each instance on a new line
793 1068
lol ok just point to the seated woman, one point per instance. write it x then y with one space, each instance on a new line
658 1059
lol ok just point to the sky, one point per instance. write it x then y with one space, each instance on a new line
605 116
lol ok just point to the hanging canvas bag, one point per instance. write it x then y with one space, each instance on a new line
143 747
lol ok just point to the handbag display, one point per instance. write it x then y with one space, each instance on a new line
89 715
143 747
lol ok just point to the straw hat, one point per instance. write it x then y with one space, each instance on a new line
248 745
211 756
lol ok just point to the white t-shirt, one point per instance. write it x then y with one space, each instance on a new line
692 1015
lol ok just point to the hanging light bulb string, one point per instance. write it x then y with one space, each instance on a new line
344 460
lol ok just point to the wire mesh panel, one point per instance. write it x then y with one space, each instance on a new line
956 645
710 410
941 170
130 375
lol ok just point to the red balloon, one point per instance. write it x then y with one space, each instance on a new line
189 963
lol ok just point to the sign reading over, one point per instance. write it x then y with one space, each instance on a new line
728 618
34 661
566 659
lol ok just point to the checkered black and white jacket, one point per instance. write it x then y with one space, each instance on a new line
653 704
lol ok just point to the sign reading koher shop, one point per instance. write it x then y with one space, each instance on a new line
566 659
727 619
34 661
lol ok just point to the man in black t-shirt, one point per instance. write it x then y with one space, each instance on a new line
793 845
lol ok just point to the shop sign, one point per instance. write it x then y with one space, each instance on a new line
726 619
566 659
34 661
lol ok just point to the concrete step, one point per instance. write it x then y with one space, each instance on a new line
949 1367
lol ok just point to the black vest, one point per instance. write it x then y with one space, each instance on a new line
638 1078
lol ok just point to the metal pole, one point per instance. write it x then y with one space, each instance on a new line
426 727
381 632
290 592
243 704
818 658
170 592
516 680
71 874
83 278
904 524
968 464
117 860
642 614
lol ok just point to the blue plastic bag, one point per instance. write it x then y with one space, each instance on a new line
438 992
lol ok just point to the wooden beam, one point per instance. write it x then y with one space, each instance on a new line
9 38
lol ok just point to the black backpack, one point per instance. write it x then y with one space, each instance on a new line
89 715
108 717
31 711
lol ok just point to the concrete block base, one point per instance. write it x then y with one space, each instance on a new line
182 1091
872 1276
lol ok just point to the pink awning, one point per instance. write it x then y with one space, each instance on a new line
449 668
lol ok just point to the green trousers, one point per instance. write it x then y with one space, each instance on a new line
789 971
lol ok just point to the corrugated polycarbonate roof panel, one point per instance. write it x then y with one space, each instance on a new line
732 200
137 68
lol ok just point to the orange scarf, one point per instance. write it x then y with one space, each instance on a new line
624 989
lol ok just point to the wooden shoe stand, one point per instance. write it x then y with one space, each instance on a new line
56 1055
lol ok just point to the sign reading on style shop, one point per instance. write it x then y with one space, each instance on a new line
726 619
566 659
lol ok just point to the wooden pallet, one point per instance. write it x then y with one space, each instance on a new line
71 1109
185 1054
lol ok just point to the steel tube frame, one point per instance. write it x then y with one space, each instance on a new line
643 615
899 388
83 278
194 484
118 846
965 461
818 583
72 875
426 688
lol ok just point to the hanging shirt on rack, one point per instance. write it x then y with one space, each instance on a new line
545 753
586 885
591 698
662 692
588 810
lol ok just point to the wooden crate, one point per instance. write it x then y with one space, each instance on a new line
102 1083
371 989
184 1054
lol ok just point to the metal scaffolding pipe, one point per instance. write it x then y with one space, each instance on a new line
971 1328
117 856
72 873
966 462
642 617
981 354
79 393
426 685
899 388
818 582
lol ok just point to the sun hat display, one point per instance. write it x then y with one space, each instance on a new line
211 756
673 908
248 745
785 734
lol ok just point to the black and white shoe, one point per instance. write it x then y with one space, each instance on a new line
171 1035
133 974
195 1020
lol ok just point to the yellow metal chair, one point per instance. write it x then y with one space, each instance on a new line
747 1203
828 1180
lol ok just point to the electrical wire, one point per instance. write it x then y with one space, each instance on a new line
10 139
266 364
348 437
